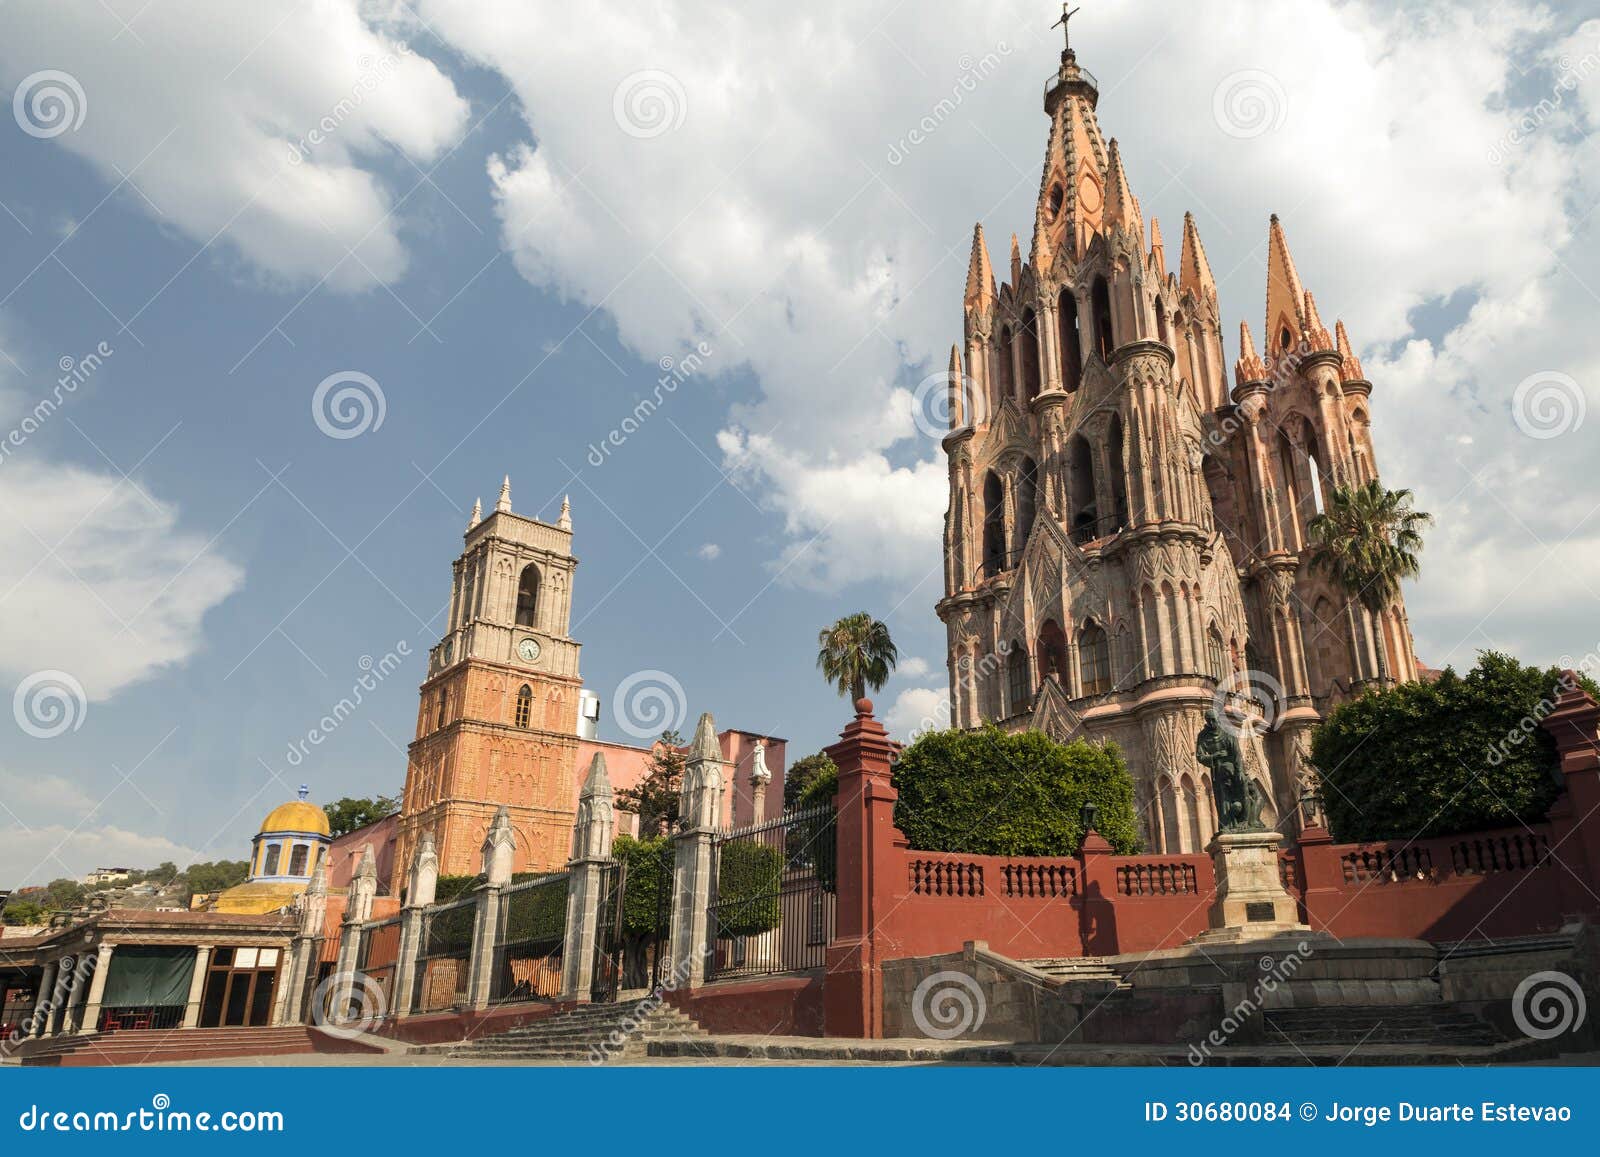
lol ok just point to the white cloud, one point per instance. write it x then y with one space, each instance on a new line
204 113
43 796
30 856
97 580
918 709
710 552
768 219
914 667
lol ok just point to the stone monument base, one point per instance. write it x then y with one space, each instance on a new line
1251 901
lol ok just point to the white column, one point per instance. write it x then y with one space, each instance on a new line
42 1006
75 995
90 1021
197 986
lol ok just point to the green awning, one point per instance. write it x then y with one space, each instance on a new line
148 976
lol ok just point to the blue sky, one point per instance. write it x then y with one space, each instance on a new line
528 209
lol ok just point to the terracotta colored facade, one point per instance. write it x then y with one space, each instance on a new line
498 712
1126 539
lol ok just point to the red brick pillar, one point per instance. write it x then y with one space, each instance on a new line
1575 818
852 995
1321 878
1097 918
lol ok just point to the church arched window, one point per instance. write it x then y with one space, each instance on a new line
443 708
528 596
524 705
994 525
1008 382
1161 323
1101 298
1030 355
1052 652
269 863
1071 345
297 859
1017 679
1216 664
1027 501
1119 474
1094 660
1080 486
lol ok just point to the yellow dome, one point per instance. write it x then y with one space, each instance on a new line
297 816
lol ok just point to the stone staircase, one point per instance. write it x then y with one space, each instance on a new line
1351 1026
1072 968
594 1033
163 1046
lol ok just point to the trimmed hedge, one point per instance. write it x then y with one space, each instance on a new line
987 792
749 877
1462 754
649 872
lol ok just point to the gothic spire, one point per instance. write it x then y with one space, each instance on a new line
1285 295
980 274
504 505
1249 367
1016 264
956 398
1349 365
477 513
1316 332
1158 251
1195 276
1122 207
565 521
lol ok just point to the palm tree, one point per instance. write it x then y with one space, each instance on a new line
855 654
1368 540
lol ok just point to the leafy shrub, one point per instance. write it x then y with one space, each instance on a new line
749 877
649 864
1461 754
986 792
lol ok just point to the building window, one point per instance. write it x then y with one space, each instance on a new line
444 705
297 859
528 596
524 705
1094 661
1030 355
1071 343
1214 654
269 864
1017 679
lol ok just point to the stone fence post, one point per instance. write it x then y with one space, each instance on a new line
592 834
357 912
313 922
421 889
694 858
499 846
1097 917
90 1022
852 995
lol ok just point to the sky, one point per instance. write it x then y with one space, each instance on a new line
282 293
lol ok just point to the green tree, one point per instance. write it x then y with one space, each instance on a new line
216 876
856 654
346 815
987 792
1367 540
63 893
1461 754
654 799
22 912
801 774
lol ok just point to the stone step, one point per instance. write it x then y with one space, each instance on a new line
1437 1025
577 1034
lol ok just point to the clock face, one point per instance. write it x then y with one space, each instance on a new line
528 649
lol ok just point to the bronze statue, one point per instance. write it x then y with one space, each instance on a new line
1239 800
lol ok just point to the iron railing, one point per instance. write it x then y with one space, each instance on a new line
774 907
531 937
136 1018
445 950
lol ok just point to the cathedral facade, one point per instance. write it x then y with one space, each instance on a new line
1126 542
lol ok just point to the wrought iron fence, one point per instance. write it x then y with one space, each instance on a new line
774 907
530 941
444 953
380 949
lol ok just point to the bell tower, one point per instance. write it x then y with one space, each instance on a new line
497 720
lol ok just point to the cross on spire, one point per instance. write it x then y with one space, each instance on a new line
1065 23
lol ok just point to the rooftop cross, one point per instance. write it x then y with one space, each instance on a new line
1065 23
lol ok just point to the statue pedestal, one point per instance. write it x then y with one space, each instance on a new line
1251 902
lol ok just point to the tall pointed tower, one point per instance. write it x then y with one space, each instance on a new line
498 719
1108 571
